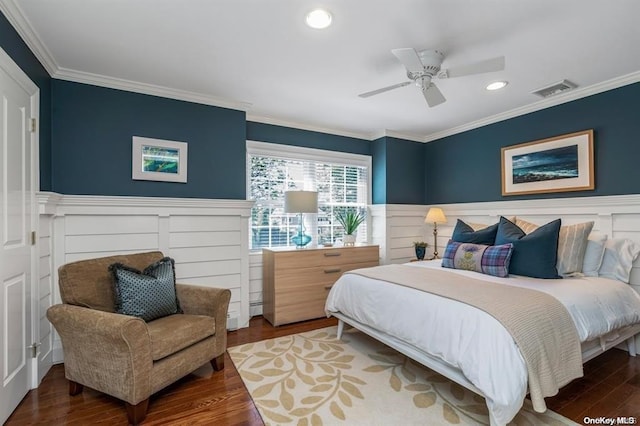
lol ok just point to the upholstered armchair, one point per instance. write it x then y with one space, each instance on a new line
124 356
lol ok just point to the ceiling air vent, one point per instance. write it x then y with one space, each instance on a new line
555 88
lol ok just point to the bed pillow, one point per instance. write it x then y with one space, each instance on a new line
593 254
617 262
572 244
464 233
149 294
490 260
535 254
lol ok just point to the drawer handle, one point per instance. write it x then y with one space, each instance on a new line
332 271
328 287
332 254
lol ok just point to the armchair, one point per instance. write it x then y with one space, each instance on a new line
124 356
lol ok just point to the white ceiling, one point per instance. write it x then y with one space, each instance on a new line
258 55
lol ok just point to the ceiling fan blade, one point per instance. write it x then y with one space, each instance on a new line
433 95
488 65
409 58
384 89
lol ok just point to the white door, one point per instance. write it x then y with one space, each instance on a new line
16 253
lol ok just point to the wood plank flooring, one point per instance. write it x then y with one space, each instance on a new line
610 388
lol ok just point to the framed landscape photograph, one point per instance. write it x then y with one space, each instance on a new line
159 160
559 164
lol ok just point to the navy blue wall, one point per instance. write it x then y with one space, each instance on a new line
405 172
398 171
11 43
92 130
466 167
288 136
379 172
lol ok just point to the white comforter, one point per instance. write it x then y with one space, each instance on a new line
472 340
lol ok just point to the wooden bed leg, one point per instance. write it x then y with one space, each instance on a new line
631 345
340 329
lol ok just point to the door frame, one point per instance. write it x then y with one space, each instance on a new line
22 79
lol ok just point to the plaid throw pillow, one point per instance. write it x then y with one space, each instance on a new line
490 260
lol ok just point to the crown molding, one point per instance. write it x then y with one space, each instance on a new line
23 27
540 105
397 135
147 89
302 126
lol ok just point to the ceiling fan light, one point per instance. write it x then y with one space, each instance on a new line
497 85
318 19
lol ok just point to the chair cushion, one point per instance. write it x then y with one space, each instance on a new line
175 332
89 283
149 294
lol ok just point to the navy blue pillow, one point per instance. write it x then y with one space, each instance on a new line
463 233
535 254
149 294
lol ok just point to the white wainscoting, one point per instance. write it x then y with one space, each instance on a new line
207 238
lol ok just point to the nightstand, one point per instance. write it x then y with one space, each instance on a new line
295 283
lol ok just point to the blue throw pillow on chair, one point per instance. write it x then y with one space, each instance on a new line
149 294
535 254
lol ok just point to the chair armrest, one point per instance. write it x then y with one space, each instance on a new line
105 351
213 302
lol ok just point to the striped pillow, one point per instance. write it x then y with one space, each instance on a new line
490 260
572 244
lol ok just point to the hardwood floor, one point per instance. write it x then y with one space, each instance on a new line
610 388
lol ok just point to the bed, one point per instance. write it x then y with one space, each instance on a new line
468 345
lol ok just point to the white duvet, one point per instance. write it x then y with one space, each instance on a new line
472 340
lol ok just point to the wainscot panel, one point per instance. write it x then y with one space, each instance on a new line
207 238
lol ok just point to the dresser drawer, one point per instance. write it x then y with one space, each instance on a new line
323 257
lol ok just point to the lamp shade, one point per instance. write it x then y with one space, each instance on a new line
435 215
301 202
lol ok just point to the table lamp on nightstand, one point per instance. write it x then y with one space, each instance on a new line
435 215
301 202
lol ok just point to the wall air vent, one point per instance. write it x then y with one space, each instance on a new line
555 88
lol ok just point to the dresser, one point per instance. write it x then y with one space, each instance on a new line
296 282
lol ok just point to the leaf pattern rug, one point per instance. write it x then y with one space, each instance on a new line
314 379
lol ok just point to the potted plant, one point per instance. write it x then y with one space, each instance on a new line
350 220
421 248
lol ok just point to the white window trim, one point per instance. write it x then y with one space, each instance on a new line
312 154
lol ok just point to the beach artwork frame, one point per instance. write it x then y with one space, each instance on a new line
159 160
559 164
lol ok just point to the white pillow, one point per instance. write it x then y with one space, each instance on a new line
619 254
593 254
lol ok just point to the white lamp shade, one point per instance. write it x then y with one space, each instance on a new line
435 215
301 202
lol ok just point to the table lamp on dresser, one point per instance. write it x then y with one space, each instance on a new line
301 202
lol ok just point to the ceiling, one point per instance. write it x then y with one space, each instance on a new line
259 56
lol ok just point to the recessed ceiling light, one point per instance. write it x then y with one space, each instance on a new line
318 19
497 85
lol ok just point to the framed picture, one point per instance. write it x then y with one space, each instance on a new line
559 164
160 160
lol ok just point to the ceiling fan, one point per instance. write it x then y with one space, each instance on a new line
422 66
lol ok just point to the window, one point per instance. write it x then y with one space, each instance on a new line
341 179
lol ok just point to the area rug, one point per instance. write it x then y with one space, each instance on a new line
315 379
